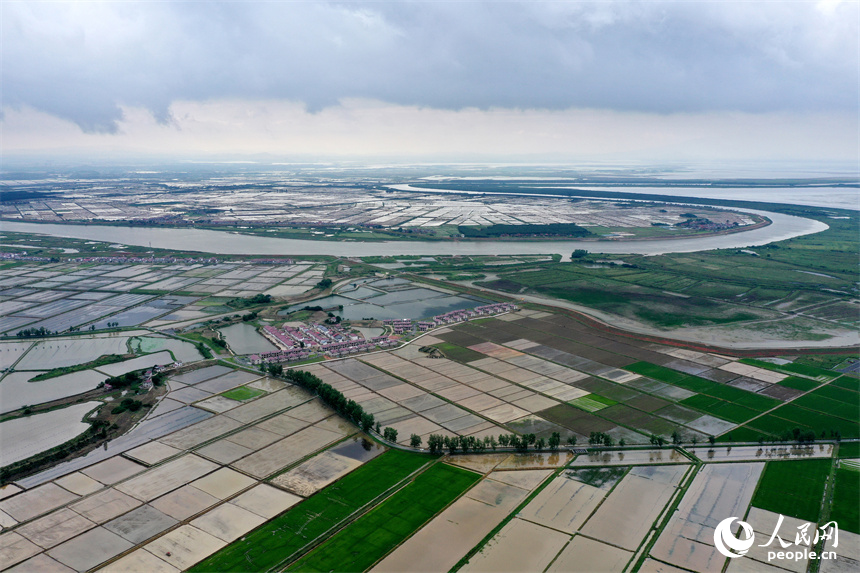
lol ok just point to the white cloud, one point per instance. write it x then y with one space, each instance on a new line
83 61
358 129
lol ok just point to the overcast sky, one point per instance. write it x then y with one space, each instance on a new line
562 80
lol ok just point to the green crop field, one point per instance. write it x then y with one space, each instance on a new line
771 424
751 400
845 510
279 539
791 416
721 400
819 403
242 393
798 383
793 488
734 413
803 369
847 382
592 402
743 434
849 450
458 353
657 372
370 537
839 394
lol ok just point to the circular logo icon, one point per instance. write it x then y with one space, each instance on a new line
726 542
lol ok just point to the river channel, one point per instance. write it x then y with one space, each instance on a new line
232 243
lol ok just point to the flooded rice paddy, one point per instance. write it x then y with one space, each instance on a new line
21 438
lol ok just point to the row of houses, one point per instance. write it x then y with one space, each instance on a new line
333 349
405 325
278 356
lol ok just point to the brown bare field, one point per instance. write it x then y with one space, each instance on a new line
519 546
583 554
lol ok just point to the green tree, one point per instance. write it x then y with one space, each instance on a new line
711 440
435 443
415 441
366 421
554 441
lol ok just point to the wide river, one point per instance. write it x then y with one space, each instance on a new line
230 243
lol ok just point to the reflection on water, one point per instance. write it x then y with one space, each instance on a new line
359 447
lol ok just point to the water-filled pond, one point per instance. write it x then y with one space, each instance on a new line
244 339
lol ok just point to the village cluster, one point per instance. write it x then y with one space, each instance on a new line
301 342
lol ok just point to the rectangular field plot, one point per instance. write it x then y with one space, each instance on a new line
371 536
285 452
519 546
845 494
632 508
719 490
592 403
459 527
89 549
316 473
70 351
583 554
35 502
275 542
564 504
793 488
162 479
184 546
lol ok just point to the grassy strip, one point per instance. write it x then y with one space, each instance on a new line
845 511
793 488
744 434
284 536
458 353
242 393
370 537
592 402
204 345
100 361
